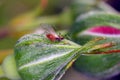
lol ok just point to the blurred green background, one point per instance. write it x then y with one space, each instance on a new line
20 17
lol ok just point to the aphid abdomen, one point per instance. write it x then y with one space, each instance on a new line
51 37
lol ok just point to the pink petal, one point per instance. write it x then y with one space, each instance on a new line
104 30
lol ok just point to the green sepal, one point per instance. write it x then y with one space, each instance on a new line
92 19
97 65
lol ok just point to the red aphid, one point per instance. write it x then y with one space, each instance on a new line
50 33
52 37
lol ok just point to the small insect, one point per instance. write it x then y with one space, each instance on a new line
52 37
50 33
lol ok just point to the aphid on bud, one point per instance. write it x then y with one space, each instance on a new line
50 33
